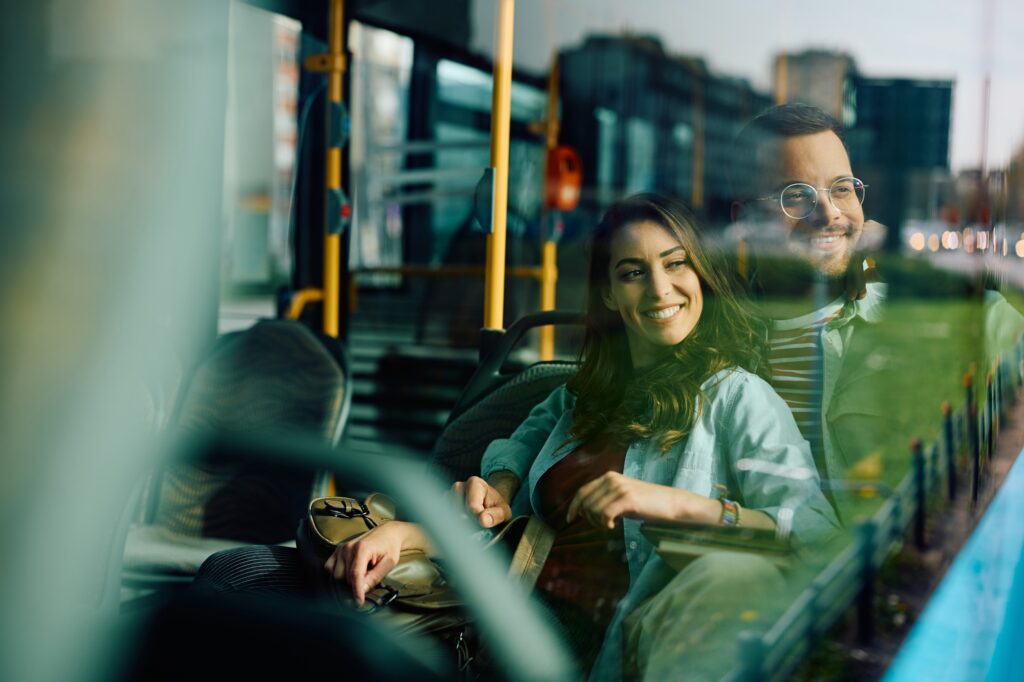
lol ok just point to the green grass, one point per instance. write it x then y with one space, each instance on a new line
935 343
929 344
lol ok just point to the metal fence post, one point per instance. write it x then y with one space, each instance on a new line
751 654
947 439
990 417
974 447
921 492
866 599
1000 392
1020 361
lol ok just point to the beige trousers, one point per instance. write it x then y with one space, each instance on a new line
690 629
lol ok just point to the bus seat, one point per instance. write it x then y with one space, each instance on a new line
462 443
494 403
277 374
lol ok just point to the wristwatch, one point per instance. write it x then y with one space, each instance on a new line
730 512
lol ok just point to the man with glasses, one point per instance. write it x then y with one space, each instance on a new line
832 361
802 207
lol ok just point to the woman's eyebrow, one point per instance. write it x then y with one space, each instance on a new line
640 261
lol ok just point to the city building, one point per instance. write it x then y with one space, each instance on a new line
646 120
819 77
899 144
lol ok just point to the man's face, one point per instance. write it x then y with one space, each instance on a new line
828 236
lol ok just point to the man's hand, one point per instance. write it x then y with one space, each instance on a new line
483 500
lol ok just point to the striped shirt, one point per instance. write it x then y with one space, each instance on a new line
794 352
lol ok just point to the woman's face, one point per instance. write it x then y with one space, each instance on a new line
654 288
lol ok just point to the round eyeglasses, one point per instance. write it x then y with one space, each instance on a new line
799 199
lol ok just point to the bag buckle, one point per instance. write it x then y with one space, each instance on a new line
463 656
391 594
344 510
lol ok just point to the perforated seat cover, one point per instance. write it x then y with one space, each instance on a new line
462 444
276 375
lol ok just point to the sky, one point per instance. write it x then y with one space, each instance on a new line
948 39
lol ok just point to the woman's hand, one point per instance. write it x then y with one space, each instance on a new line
364 562
483 500
610 496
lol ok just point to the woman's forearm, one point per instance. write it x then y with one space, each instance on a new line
752 518
411 536
699 509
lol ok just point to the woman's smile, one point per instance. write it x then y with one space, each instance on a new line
664 314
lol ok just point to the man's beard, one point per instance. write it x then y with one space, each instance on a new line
827 251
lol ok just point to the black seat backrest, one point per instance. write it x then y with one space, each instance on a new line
275 375
494 403
496 415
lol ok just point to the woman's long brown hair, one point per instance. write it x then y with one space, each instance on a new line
617 402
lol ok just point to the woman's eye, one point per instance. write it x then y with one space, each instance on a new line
627 275
676 264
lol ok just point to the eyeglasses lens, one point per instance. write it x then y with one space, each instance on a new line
799 200
847 193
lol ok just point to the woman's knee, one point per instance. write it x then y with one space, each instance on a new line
721 581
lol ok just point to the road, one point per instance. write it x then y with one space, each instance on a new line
1008 269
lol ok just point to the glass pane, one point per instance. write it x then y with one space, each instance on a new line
381 67
259 162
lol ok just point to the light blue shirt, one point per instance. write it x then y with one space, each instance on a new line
742 418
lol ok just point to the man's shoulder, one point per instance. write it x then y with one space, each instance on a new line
872 306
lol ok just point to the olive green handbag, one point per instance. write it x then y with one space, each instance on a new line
415 595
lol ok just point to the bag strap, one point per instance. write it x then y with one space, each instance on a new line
531 553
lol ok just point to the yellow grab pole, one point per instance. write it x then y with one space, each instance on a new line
300 299
697 192
494 278
549 250
332 242
781 79
549 278
840 81
552 123
742 259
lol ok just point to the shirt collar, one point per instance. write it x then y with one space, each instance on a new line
841 311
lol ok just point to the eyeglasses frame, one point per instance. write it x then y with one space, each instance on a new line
777 196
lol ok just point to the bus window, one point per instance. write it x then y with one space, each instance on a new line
464 94
381 70
259 162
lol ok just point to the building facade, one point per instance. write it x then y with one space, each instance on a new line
646 120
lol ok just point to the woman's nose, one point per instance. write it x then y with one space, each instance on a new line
659 284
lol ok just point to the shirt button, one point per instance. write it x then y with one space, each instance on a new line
632 544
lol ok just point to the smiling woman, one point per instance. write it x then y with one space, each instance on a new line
648 257
667 401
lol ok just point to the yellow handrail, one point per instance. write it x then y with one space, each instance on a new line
332 242
549 249
494 278
300 299
333 65
548 280
524 271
